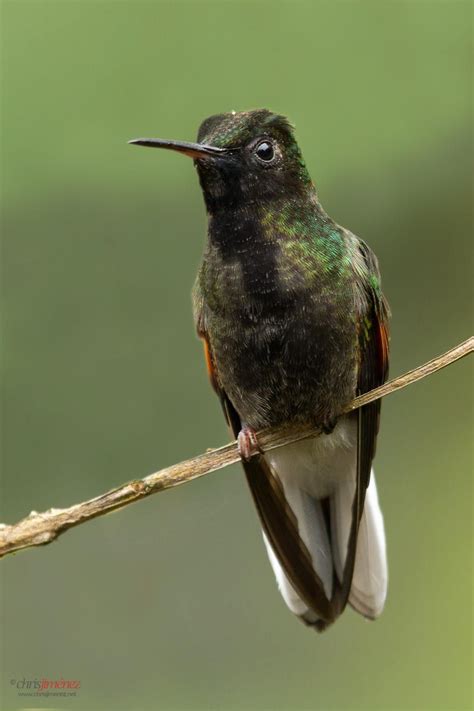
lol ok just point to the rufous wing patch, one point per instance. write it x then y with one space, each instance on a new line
210 365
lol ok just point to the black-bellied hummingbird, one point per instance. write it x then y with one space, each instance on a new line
295 325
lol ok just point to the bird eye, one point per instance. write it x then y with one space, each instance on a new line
264 151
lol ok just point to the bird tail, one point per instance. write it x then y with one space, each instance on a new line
321 503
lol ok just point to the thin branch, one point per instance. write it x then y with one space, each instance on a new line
41 528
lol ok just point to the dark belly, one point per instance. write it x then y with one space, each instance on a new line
299 366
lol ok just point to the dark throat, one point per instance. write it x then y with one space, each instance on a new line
238 239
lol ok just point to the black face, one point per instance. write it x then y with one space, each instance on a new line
261 161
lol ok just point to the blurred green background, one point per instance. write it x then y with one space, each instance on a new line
171 604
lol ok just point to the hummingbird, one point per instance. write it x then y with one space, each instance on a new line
295 325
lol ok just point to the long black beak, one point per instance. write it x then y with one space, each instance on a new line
193 150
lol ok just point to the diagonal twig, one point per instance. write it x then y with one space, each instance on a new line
41 528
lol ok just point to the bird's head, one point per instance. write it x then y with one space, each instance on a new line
244 158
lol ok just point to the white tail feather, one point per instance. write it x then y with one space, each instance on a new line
341 519
289 594
313 532
370 581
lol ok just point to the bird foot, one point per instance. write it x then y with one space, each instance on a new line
247 443
329 425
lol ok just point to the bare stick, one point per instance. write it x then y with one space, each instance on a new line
40 528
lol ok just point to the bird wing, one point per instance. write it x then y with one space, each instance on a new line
373 352
373 315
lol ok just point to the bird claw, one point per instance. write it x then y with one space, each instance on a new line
329 425
247 443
